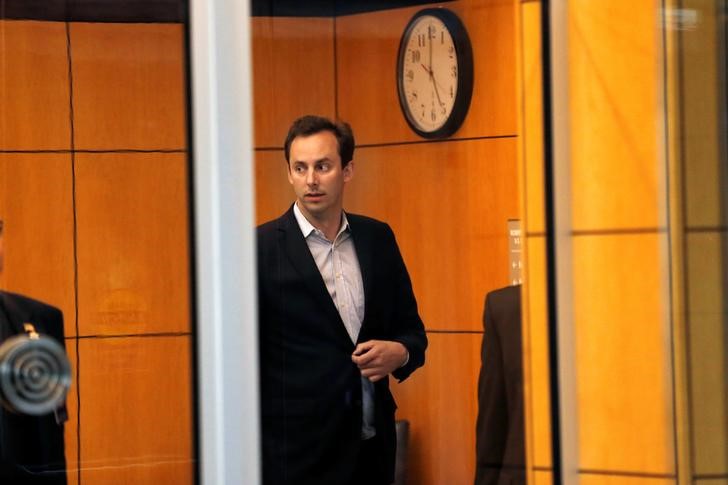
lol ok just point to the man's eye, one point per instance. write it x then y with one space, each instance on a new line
299 169
325 167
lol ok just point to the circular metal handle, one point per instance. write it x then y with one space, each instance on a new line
35 374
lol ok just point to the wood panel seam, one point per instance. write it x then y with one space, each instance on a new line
72 135
625 473
113 150
406 143
135 335
616 231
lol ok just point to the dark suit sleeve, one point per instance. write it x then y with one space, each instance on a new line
409 329
492 423
51 442
34 445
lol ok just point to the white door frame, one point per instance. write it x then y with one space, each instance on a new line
223 191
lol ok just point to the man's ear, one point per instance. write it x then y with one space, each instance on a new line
288 173
349 171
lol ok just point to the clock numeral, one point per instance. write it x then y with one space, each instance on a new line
410 75
415 56
451 51
421 42
442 37
452 93
433 115
454 71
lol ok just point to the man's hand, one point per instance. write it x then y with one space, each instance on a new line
377 358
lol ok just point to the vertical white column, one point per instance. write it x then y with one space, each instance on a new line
562 205
224 242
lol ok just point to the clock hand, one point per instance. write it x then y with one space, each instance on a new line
434 79
434 83
437 93
429 37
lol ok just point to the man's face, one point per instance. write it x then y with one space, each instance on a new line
315 172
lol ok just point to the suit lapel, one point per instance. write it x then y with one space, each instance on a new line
295 247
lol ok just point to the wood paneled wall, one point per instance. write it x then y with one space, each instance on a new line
628 332
621 292
93 180
702 169
447 201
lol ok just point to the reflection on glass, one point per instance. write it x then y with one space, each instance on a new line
699 127
643 249
93 192
32 396
447 200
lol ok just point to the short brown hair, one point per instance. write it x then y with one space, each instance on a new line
312 124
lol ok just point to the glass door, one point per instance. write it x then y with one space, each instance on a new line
113 248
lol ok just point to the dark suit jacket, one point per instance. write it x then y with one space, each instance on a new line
500 440
31 447
310 388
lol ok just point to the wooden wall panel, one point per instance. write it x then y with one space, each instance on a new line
396 184
708 350
128 86
536 353
623 371
542 477
448 204
293 73
532 118
37 206
366 57
133 256
273 193
136 425
615 81
34 102
440 402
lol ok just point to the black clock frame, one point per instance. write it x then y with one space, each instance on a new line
464 53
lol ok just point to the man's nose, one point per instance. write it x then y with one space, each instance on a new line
311 178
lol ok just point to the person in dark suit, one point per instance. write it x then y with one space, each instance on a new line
500 439
31 447
337 317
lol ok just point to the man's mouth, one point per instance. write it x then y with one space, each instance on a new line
314 195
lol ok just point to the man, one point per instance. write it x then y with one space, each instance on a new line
500 439
31 447
337 316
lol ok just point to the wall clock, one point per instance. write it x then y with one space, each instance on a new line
435 73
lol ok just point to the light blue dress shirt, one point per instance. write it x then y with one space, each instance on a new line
339 267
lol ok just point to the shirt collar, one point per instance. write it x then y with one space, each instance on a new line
307 228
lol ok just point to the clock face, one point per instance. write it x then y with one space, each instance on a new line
434 94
